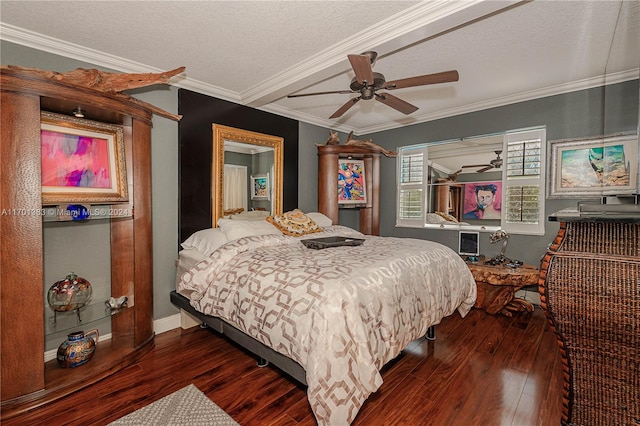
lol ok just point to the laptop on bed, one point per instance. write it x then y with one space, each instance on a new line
326 242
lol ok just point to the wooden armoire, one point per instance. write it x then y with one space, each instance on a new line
328 156
26 380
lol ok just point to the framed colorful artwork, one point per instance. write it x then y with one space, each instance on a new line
482 200
260 187
82 161
351 182
592 167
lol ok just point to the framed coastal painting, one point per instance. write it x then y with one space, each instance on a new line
82 161
592 167
260 187
351 182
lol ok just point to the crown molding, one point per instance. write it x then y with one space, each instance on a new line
56 46
589 83
306 118
70 50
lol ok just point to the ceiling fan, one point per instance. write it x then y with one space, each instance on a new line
367 83
496 163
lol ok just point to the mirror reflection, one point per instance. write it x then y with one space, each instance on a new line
465 181
247 172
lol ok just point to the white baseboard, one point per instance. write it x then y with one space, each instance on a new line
166 324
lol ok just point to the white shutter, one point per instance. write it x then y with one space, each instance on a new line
411 179
523 182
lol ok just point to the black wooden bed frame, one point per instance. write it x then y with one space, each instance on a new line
265 353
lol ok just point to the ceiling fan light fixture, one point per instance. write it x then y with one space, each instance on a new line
367 93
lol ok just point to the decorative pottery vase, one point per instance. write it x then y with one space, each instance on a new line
69 294
77 349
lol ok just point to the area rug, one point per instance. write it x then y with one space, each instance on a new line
187 406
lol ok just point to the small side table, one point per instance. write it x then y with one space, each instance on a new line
497 286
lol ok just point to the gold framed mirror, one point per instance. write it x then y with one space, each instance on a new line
265 165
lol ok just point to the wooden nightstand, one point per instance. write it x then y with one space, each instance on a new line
497 286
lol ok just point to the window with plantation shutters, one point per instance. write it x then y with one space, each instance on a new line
523 182
411 186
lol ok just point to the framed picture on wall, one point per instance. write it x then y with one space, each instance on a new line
594 166
260 188
82 161
482 200
351 182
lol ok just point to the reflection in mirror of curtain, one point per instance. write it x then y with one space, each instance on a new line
260 154
235 187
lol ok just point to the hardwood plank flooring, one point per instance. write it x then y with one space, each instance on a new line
481 370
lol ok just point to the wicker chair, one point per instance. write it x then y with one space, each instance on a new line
590 291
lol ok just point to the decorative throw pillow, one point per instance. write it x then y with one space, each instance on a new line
447 217
294 223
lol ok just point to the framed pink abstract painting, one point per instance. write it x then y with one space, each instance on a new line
82 161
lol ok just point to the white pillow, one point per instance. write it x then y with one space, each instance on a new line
205 241
235 229
320 219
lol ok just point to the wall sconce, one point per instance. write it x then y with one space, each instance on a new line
78 112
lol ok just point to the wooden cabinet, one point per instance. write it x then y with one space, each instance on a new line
26 381
590 291
449 198
328 156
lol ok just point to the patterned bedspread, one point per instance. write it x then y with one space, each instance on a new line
341 313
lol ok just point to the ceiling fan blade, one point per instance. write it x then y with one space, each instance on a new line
342 92
361 65
421 80
484 169
475 165
396 103
344 108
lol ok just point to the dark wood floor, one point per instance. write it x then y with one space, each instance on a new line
481 370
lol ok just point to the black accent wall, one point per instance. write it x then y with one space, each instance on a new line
195 137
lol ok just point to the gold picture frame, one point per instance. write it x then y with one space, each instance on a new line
82 161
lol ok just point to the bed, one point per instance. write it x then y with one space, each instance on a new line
330 318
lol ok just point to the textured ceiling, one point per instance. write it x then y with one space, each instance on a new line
257 52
